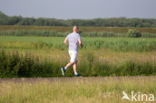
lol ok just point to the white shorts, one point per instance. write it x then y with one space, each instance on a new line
73 56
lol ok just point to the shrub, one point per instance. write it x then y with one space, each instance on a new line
134 33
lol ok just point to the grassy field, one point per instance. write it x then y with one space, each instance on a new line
38 51
27 51
74 90
99 57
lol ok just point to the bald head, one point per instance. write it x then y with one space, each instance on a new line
75 29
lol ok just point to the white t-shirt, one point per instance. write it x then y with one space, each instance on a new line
73 41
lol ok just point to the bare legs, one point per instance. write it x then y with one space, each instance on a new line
75 68
74 64
69 65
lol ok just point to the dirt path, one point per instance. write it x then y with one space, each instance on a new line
55 79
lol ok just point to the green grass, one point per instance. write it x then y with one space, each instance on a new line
116 44
74 90
17 65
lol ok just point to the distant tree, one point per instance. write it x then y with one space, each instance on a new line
26 21
107 22
3 19
14 20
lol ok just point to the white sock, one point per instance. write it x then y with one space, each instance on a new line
65 68
75 73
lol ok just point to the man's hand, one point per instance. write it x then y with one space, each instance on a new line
81 45
65 41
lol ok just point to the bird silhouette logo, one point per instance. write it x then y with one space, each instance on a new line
125 95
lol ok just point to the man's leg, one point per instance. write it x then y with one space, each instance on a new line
73 62
75 68
73 56
63 69
69 65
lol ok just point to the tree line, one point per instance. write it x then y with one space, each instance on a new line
107 22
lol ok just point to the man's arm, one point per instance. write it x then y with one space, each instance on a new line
80 43
66 41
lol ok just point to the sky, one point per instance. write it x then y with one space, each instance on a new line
79 9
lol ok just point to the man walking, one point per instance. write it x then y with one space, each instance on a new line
73 40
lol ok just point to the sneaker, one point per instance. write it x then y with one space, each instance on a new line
63 71
77 75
